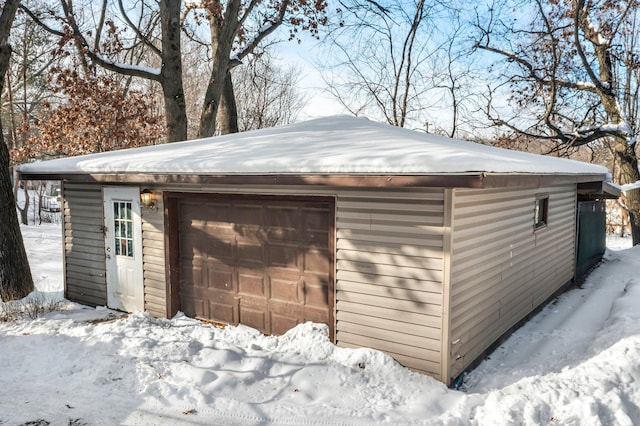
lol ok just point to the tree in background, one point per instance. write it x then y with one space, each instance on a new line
26 87
150 39
15 276
26 83
235 29
266 93
98 114
572 72
400 61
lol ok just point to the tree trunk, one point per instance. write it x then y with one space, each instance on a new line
15 276
171 71
213 94
24 210
633 203
228 111
626 157
222 42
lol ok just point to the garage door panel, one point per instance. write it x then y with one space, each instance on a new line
315 220
215 212
191 272
286 217
285 309
253 312
194 215
190 248
253 318
196 308
283 256
282 234
315 295
220 305
220 277
221 247
285 288
280 324
251 215
250 253
251 283
316 261
223 312
263 262
217 231
314 315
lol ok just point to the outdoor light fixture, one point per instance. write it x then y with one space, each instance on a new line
148 200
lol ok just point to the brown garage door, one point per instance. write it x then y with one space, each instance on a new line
264 262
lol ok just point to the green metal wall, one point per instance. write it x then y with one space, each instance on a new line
592 240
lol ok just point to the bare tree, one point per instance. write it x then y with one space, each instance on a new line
236 29
266 93
573 75
15 275
402 61
26 78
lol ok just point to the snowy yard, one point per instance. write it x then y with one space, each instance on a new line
576 363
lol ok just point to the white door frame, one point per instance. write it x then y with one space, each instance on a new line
125 289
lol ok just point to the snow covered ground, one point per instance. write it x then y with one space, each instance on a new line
576 363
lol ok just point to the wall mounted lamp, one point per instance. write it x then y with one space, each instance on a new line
148 199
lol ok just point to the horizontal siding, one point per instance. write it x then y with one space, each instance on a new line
84 249
389 267
389 263
389 273
85 270
501 268
153 260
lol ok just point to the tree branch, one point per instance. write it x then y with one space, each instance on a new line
268 28
137 31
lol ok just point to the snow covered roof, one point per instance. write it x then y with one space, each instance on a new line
327 146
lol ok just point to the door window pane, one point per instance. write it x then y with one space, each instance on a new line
123 228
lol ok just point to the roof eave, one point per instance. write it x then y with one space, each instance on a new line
446 180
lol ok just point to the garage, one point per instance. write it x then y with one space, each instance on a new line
265 262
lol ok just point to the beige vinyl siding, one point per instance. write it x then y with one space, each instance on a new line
502 268
84 249
153 259
389 272
388 269
84 257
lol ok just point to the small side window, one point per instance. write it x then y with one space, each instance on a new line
541 212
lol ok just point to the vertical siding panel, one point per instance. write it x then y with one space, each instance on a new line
84 258
445 332
501 268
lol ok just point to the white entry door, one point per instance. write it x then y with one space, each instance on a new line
123 245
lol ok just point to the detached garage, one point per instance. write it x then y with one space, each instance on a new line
425 247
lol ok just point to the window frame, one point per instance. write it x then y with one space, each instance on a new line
541 212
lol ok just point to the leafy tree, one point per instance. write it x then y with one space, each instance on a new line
15 275
574 73
235 29
119 50
98 114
